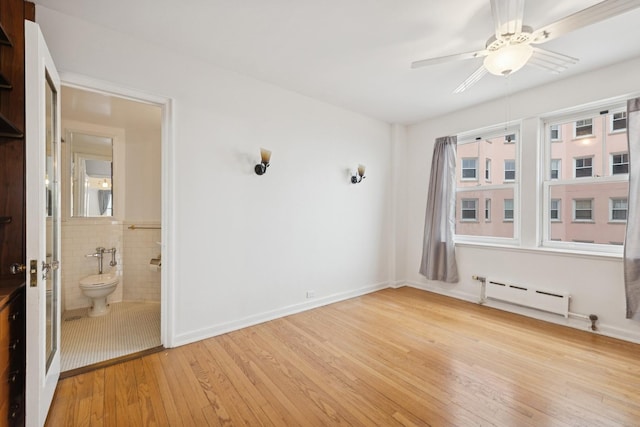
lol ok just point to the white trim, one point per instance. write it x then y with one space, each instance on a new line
168 307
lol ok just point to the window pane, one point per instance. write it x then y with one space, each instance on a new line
485 198
590 203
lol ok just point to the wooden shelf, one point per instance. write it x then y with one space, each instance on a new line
4 38
8 130
5 83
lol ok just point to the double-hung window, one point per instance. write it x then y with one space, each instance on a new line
595 194
470 168
619 163
476 197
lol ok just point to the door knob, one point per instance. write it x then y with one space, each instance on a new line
17 268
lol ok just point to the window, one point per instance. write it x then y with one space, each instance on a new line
469 209
554 212
584 167
556 133
619 163
583 210
509 170
619 122
480 188
618 210
508 209
487 170
470 169
584 128
510 138
555 168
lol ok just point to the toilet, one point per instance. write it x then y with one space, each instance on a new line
98 287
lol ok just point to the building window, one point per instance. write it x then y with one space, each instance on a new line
510 138
470 169
555 133
584 128
508 209
487 170
509 170
487 210
619 163
469 209
619 122
584 167
583 210
554 210
618 210
555 168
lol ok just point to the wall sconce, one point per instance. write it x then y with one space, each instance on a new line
359 176
265 156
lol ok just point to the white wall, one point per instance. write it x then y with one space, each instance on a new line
247 248
595 283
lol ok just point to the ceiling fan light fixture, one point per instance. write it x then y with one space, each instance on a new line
508 59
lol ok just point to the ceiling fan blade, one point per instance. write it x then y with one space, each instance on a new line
448 58
551 61
471 80
591 15
507 17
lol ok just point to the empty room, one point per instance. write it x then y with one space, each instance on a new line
316 213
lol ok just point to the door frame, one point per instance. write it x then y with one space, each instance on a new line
167 273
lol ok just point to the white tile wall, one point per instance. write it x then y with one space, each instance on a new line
134 250
140 246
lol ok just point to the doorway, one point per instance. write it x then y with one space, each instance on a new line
111 201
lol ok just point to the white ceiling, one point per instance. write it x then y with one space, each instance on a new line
357 53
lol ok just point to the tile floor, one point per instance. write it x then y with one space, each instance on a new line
130 327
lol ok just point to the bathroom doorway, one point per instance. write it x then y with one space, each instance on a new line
111 176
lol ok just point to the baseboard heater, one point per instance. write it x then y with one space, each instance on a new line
541 299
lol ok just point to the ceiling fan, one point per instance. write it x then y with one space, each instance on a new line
513 45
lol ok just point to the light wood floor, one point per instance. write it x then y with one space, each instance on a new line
395 357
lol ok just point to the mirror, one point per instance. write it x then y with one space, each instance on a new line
91 175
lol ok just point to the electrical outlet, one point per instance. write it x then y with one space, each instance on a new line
311 294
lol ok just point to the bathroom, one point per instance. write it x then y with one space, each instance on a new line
111 215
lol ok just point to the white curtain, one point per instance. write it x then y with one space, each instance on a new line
438 253
632 239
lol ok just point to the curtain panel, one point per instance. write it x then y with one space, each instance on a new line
632 238
438 254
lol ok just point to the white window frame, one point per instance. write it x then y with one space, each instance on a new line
462 169
559 169
487 134
475 210
575 166
613 120
577 124
558 129
575 209
612 164
566 118
510 170
558 209
612 201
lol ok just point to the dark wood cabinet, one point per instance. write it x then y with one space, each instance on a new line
12 355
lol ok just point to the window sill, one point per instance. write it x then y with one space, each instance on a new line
614 222
569 252
586 221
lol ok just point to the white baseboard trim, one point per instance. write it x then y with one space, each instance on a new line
223 328
584 325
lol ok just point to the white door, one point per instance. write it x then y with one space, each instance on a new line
42 99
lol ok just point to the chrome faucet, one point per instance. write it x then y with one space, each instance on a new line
99 253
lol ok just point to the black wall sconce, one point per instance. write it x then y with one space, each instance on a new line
265 156
359 176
